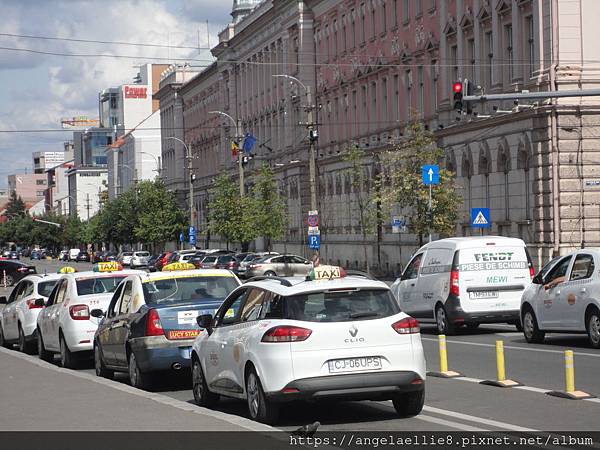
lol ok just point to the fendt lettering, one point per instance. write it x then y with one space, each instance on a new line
497 256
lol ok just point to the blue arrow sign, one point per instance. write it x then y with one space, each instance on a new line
181 237
480 218
430 175
314 241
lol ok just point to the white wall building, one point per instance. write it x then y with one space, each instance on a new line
85 190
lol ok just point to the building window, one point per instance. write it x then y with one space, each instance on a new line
363 19
420 95
40 182
344 33
509 51
383 17
394 13
431 5
530 44
434 86
113 101
384 98
364 107
335 39
471 56
373 12
353 28
408 85
489 48
454 62
326 42
40 193
373 118
354 114
396 98
405 11
418 8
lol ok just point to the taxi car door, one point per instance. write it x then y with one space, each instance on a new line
10 327
575 294
104 330
408 297
220 362
548 297
53 316
120 328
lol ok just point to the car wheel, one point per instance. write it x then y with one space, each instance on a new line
593 328
270 273
202 395
10 281
3 342
24 346
43 354
260 409
443 324
137 378
532 333
67 358
410 403
101 370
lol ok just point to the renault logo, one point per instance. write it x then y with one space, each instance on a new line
353 331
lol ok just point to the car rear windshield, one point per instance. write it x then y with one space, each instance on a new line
337 306
187 289
99 285
209 259
45 287
142 254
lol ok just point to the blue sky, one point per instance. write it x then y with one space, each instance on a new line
38 90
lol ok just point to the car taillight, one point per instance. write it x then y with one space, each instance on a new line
23 269
153 325
31 304
286 333
408 325
231 265
454 283
79 312
255 266
531 272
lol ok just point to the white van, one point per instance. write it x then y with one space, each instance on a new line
466 281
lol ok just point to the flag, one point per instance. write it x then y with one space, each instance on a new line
249 142
234 150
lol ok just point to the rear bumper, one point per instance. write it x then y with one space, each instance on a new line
356 386
154 353
457 315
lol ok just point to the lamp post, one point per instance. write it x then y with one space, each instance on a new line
156 159
236 124
191 175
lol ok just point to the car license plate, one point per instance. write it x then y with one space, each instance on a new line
355 364
483 294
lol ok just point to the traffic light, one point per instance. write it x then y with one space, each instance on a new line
457 89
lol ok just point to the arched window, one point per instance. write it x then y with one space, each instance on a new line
485 168
524 156
503 165
466 170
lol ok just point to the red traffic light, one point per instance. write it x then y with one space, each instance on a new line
457 87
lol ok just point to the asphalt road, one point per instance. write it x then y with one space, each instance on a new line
460 404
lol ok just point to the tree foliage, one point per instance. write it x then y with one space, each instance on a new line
270 214
15 206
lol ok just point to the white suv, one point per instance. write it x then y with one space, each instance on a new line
276 340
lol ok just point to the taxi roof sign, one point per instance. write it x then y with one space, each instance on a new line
108 266
320 273
67 269
178 266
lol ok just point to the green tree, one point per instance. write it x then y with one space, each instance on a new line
270 214
365 200
73 232
15 206
404 188
231 216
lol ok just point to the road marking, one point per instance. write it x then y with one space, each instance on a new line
449 423
185 406
481 344
481 420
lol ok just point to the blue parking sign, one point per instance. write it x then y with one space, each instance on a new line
480 218
314 241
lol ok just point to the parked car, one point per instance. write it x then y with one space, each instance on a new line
18 320
63 255
35 255
162 261
466 281
279 265
13 271
109 256
248 259
98 257
73 254
83 256
125 258
150 324
139 259
152 263
14 255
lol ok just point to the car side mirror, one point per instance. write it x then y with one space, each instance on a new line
39 302
205 321
537 279
3 300
98 313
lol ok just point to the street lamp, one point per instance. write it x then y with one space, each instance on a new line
156 159
238 136
191 176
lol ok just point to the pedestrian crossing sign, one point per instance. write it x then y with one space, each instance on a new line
480 218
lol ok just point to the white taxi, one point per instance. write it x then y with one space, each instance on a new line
564 298
65 326
326 336
18 320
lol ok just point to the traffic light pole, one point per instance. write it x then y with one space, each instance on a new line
532 95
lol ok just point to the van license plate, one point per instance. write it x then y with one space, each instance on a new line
483 294
355 364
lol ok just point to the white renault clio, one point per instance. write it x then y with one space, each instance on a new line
326 336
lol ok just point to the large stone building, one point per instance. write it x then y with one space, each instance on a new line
372 64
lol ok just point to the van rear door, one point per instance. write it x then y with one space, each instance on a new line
492 278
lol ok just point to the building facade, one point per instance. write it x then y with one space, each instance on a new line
43 161
29 186
373 66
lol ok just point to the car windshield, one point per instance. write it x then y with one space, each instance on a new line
98 285
186 289
209 259
142 254
45 287
340 306
249 258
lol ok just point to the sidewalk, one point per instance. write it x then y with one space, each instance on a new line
37 396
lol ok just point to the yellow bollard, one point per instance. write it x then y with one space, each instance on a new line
443 353
570 391
569 372
501 373
444 372
501 380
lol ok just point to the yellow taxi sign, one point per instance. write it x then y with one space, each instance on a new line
326 273
107 266
67 269
178 266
